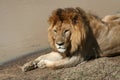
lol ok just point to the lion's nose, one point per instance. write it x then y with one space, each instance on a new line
60 43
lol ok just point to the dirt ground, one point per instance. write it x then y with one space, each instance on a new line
98 69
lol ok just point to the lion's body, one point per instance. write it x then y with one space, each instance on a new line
107 34
77 36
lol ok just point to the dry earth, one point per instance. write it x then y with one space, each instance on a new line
98 69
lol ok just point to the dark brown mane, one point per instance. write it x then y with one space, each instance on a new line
74 14
63 15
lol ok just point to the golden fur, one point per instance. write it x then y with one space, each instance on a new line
78 36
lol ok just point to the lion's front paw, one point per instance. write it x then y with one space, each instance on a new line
29 66
42 64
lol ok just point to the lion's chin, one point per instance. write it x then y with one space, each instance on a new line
61 50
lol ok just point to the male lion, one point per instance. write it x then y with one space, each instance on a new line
77 36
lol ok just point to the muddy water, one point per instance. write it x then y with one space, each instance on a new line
23 23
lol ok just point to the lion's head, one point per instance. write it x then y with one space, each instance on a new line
68 30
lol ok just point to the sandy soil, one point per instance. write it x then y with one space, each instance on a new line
98 69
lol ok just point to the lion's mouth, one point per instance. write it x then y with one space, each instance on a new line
61 49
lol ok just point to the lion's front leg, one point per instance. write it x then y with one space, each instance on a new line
63 63
33 64
42 61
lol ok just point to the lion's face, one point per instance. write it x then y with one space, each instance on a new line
61 33
66 32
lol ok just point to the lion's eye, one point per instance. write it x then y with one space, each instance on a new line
66 31
55 31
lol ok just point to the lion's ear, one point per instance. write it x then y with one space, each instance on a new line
74 19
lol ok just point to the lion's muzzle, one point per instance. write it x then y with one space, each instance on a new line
60 47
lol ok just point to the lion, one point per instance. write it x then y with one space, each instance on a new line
77 36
